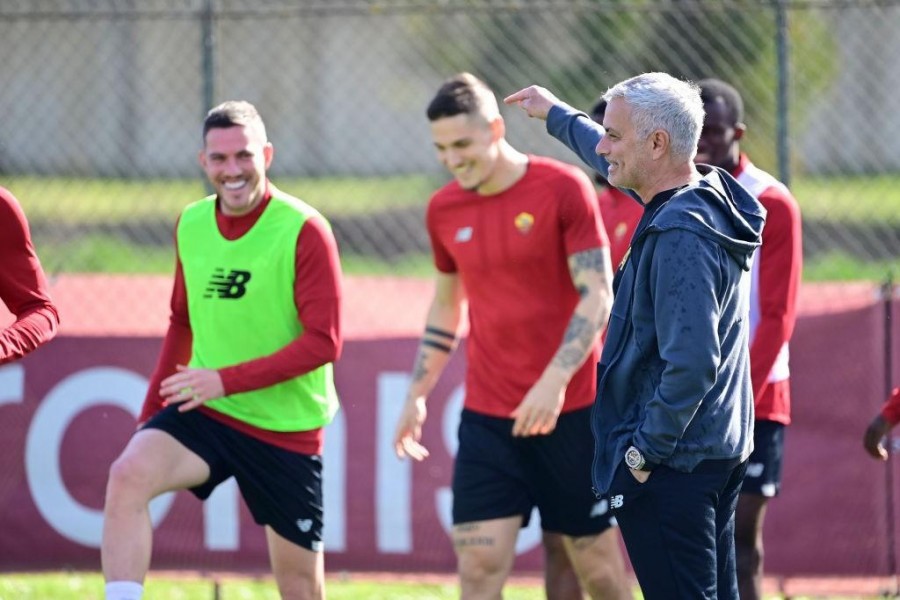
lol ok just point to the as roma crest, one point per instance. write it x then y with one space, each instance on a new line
524 222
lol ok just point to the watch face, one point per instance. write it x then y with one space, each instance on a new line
633 458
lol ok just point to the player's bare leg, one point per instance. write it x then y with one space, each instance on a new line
485 551
748 544
560 579
152 463
598 561
299 573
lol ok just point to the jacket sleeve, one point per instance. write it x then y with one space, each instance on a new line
684 278
579 133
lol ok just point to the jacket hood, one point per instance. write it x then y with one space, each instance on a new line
720 209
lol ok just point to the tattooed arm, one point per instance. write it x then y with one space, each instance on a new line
438 341
592 276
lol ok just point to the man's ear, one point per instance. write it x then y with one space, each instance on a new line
659 143
739 129
268 154
498 129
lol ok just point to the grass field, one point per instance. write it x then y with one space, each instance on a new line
89 586
874 198
80 586
66 213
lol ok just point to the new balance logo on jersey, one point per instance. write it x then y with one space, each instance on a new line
755 469
617 501
463 234
599 509
228 287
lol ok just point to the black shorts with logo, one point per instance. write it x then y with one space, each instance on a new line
282 489
763 475
497 475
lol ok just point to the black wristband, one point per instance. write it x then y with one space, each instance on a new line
437 346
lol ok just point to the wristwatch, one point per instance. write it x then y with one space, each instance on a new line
635 460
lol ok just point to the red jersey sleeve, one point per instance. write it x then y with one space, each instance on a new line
579 216
443 260
23 286
780 265
891 409
176 347
317 295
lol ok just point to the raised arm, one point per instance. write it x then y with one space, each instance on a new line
572 127
438 341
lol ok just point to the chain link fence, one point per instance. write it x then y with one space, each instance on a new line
102 103
103 100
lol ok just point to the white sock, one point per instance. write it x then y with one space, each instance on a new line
124 590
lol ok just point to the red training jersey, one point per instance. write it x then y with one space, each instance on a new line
620 213
23 285
773 297
510 250
317 295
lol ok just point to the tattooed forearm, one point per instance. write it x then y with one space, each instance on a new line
419 370
578 339
590 260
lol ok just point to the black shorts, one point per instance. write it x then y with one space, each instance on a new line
497 475
763 475
282 489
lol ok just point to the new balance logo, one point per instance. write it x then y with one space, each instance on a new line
600 508
755 469
617 501
228 287
463 234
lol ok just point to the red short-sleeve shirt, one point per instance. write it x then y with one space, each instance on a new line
510 251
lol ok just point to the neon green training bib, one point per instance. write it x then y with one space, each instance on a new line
241 306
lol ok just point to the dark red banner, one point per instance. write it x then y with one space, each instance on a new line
68 409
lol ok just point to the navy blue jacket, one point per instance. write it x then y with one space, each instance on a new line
674 376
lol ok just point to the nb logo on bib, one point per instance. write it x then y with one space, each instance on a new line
228 287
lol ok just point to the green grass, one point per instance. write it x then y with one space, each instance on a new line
874 198
85 586
857 198
52 204
89 586
841 267
78 200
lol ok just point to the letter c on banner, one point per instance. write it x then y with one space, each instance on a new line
98 386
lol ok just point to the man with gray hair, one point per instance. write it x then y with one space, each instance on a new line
673 422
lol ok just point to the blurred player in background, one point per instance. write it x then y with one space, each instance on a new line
887 418
519 238
620 214
23 285
256 319
773 312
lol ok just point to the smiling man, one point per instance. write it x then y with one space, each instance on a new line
519 238
673 423
243 386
